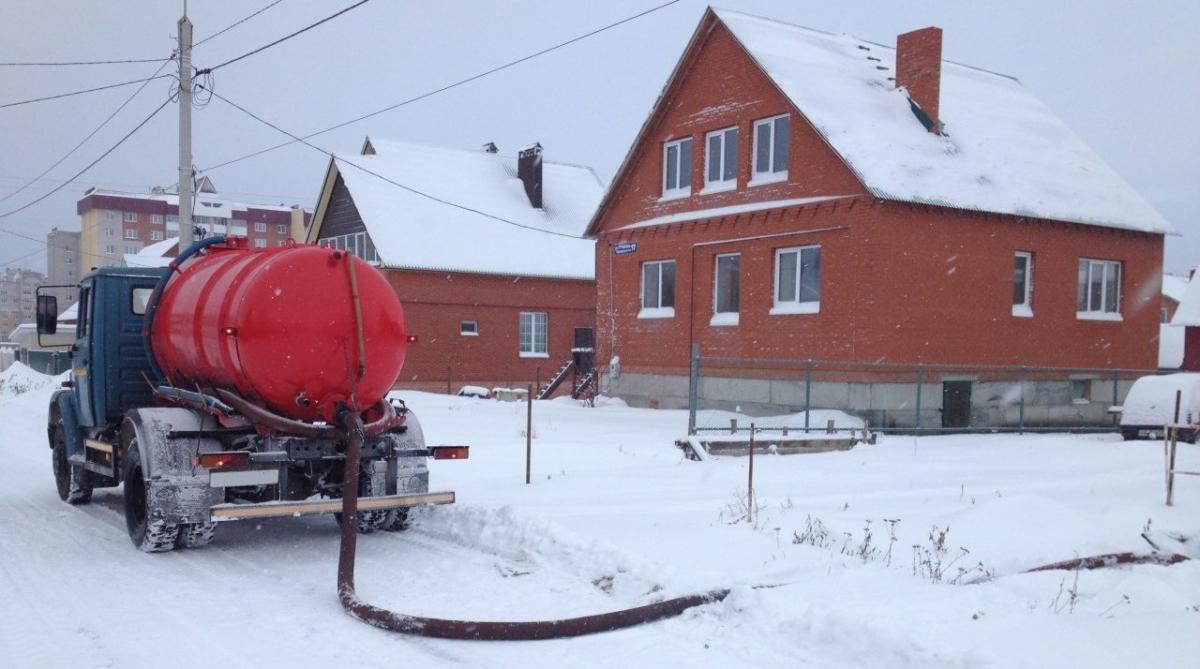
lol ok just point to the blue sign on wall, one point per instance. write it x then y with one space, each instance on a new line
625 247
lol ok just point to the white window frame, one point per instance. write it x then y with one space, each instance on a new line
131 250
686 179
720 185
259 226
110 249
1101 314
796 306
156 235
156 219
532 347
109 233
260 243
1025 309
131 233
110 216
724 318
655 311
281 228
468 328
130 216
758 178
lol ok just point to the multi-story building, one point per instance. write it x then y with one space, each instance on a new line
114 224
62 263
18 289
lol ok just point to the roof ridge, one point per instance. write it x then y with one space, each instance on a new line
473 152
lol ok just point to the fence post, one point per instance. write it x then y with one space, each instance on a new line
693 388
920 382
1116 417
750 481
1021 414
528 432
448 391
807 392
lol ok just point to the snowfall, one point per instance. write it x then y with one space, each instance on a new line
835 568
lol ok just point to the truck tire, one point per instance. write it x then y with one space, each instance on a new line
196 535
74 483
396 520
147 533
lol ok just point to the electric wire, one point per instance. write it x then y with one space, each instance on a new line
447 87
236 24
82 92
64 63
383 178
90 135
282 39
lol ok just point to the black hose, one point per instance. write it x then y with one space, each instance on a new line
471 630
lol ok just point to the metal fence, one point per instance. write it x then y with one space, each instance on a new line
807 395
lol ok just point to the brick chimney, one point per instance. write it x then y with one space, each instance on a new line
529 169
919 71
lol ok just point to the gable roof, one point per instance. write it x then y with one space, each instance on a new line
1004 151
429 232
1188 311
1174 286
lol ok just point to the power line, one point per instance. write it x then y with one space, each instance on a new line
91 134
64 63
380 176
236 24
86 90
86 168
447 87
281 39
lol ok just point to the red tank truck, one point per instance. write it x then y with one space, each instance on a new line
222 388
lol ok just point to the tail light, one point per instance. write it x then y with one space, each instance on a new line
224 460
450 452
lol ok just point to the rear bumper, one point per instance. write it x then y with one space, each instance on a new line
222 512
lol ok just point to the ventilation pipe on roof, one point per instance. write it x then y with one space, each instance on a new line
529 169
919 71
491 147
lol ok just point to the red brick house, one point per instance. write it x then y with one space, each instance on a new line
484 251
796 194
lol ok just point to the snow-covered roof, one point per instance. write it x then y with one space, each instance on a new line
1003 152
414 231
206 204
1174 286
153 255
1188 311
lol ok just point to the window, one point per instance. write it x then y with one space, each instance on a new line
281 228
260 227
172 222
131 249
1099 290
237 227
532 334
110 249
130 217
358 243
260 243
156 235
468 329
1079 391
797 280
1022 296
726 280
1163 313
131 233
139 298
110 215
157 219
677 168
109 233
771 136
720 160
658 289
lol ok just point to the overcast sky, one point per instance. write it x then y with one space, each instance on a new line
1123 75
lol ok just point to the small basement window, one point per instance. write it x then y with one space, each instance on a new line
468 328
1079 391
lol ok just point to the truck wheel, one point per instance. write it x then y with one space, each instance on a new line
368 521
396 520
196 535
73 483
150 534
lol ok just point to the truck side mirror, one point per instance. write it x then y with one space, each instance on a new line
47 314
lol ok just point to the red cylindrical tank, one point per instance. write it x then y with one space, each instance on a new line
278 326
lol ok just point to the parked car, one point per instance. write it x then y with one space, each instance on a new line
1150 406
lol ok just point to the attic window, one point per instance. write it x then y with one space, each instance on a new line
771 138
677 168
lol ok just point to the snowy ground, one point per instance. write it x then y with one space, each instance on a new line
616 517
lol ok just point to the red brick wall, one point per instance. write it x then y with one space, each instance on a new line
436 302
899 282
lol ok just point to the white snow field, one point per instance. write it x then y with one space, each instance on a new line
617 517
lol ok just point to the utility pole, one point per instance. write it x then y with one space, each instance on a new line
186 184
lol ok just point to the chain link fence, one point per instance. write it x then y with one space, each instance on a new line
806 395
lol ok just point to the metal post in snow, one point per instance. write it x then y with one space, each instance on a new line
920 382
1021 414
528 433
1116 419
693 388
750 481
807 392
448 391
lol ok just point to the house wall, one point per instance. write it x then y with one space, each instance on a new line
435 303
900 283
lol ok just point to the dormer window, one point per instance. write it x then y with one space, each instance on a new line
720 160
677 168
771 137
